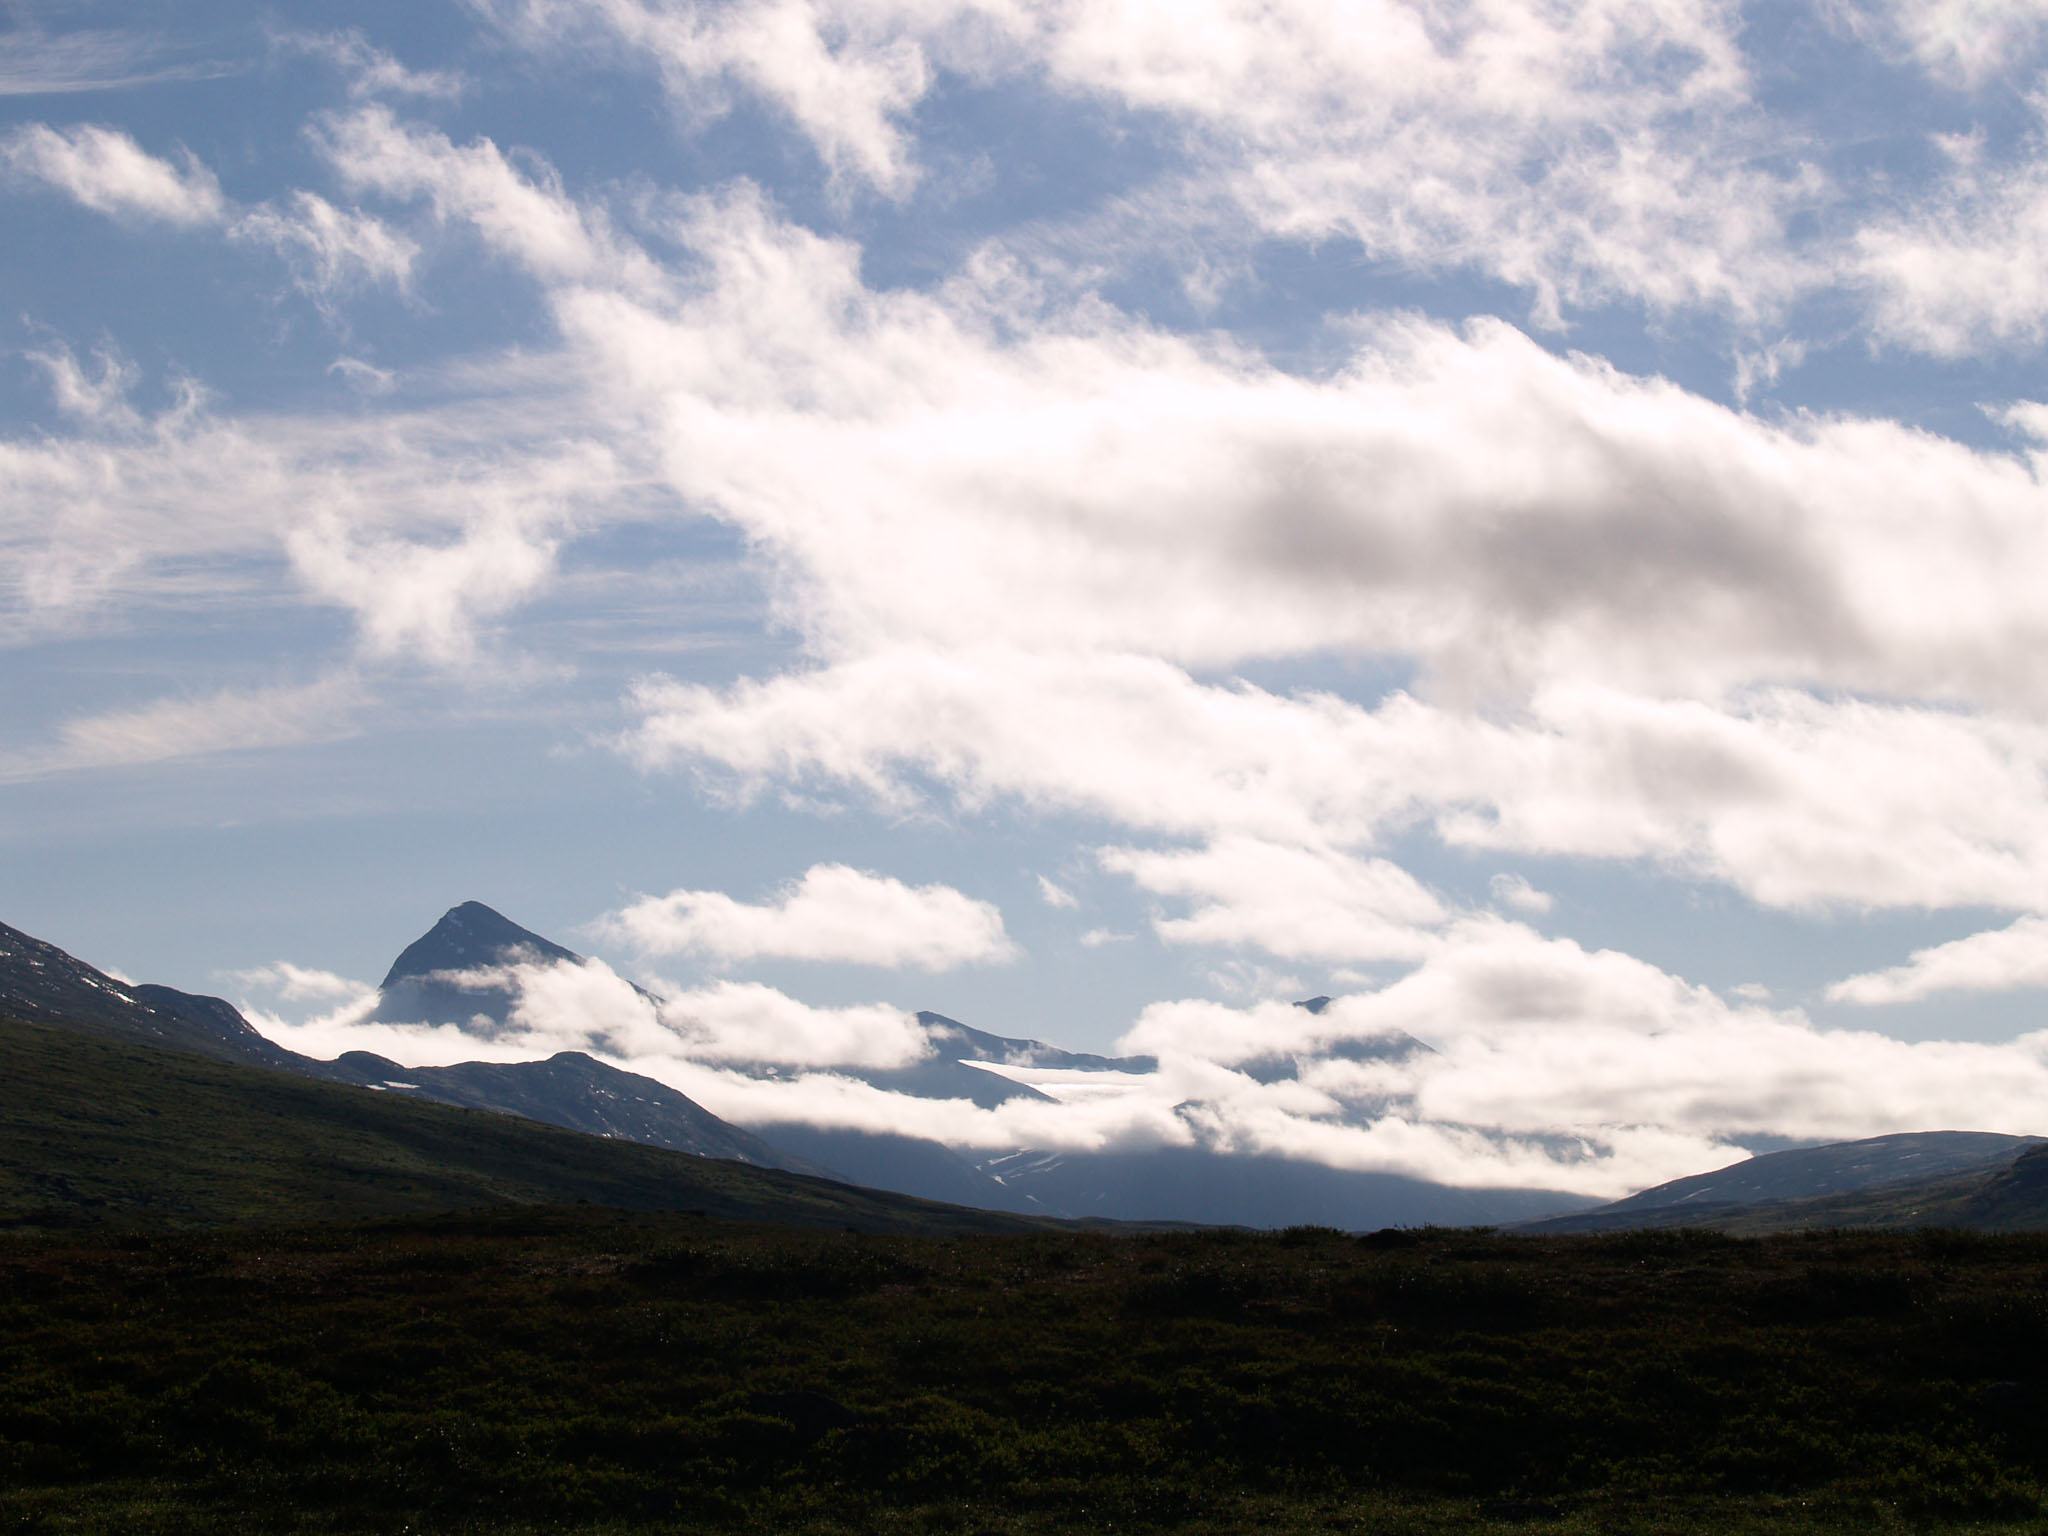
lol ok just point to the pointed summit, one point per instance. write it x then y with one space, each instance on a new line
469 936
421 988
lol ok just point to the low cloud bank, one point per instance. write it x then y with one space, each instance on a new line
1546 1065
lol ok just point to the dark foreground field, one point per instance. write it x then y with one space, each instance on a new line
596 1371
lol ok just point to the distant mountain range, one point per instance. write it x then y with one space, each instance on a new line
1922 1178
456 974
41 983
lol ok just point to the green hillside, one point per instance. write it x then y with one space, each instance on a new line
98 1131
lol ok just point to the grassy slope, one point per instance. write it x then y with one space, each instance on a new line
610 1372
106 1132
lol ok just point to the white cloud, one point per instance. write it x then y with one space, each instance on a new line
1608 605
37 63
370 70
426 524
1961 271
1554 1067
1585 151
1056 896
746 1022
1516 891
847 75
587 1006
363 376
230 720
1297 903
833 913
299 983
1540 1043
528 218
1797 801
108 172
1962 43
415 598
329 249
1185 500
1999 960
97 395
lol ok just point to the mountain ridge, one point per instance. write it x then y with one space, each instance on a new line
574 1091
101 1129
1908 1178
1880 1180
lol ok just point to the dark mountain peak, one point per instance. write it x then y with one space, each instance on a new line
469 936
1314 1004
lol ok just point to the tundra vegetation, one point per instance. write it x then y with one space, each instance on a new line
585 1369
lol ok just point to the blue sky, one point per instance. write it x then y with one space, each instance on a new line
1094 518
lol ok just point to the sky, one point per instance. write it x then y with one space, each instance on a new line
1099 519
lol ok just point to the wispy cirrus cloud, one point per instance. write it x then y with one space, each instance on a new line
427 524
329 249
1583 151
371 71
228 720
41 63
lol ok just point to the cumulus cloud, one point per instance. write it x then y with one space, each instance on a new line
107 171
1182 499
1297 903
1797 801
1553 1053
1595 601
833 913
1516 891
1999 960
747 1022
